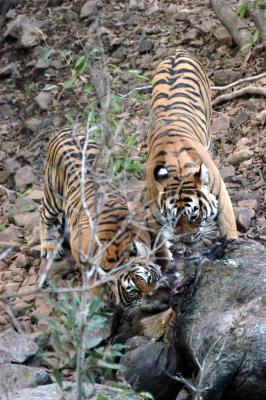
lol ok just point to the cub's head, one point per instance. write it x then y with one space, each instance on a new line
141 278
187 207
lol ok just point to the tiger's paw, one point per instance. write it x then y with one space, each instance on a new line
52 250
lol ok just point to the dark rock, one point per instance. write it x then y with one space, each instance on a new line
226 76
11 165
221 323
43 100
223 36
145 46
227 173
35 251
243 218
8 70
26 220
191 34
33 124
90 8
149 366
16 347
220 124
136 5
25 30
4 176
11 233
241 118
14 376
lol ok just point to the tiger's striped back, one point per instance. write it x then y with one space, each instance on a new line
181 100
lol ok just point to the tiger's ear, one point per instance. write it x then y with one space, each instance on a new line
202 176
160 173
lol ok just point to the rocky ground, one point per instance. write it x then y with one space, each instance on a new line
40 93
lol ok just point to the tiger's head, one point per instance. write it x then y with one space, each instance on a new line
187 208
140 279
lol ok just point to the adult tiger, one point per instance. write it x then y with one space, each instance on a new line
186 195
101 232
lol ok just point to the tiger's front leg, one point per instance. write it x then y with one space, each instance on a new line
51 242
227 223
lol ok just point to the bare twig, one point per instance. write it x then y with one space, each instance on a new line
243 80
247 91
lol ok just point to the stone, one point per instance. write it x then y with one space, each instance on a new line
152 9
182 16
4 176
25 204
89 9
145 365
238 156
250 203
21 261
136 5
36 195
43 64
11 233
245 195
223 36
16 347
44 392
25 30
226 76
190 35
26 220
43 100
11 165
8 70
220 124
242 117
35 251
24 177
145 46
227 173
243 218
33 124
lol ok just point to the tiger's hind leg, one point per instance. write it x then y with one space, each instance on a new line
51 242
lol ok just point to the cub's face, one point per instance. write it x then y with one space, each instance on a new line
187 206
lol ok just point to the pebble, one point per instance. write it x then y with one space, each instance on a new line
250 203
27 220
25 204
36 195
89 9
220 124
25 30
227 173
223 36
191 34
226 76
43 100
21 261
24 177
238 156
145 46
241 118
16 347
4 176
243 218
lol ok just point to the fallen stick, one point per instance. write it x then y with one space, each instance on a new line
242 80
250 91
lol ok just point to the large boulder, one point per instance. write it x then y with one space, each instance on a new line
221 324
214 342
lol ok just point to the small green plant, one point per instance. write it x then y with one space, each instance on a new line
23 192
241 10
2 227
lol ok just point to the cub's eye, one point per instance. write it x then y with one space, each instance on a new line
160 172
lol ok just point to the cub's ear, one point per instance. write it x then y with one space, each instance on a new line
160 173
202 176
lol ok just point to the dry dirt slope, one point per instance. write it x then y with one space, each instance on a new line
35 102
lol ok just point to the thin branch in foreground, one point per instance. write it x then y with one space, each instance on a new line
247 91
243 80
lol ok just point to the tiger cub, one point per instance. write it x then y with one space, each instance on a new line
186 196
101 232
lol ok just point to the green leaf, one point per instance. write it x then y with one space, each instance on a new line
241 10
80 64
58 377
255 37
135 73
246 46
101 397
2 227
69 85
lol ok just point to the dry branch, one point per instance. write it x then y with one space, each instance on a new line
248 91
232 22
243 80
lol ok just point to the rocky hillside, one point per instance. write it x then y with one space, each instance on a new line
44 88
